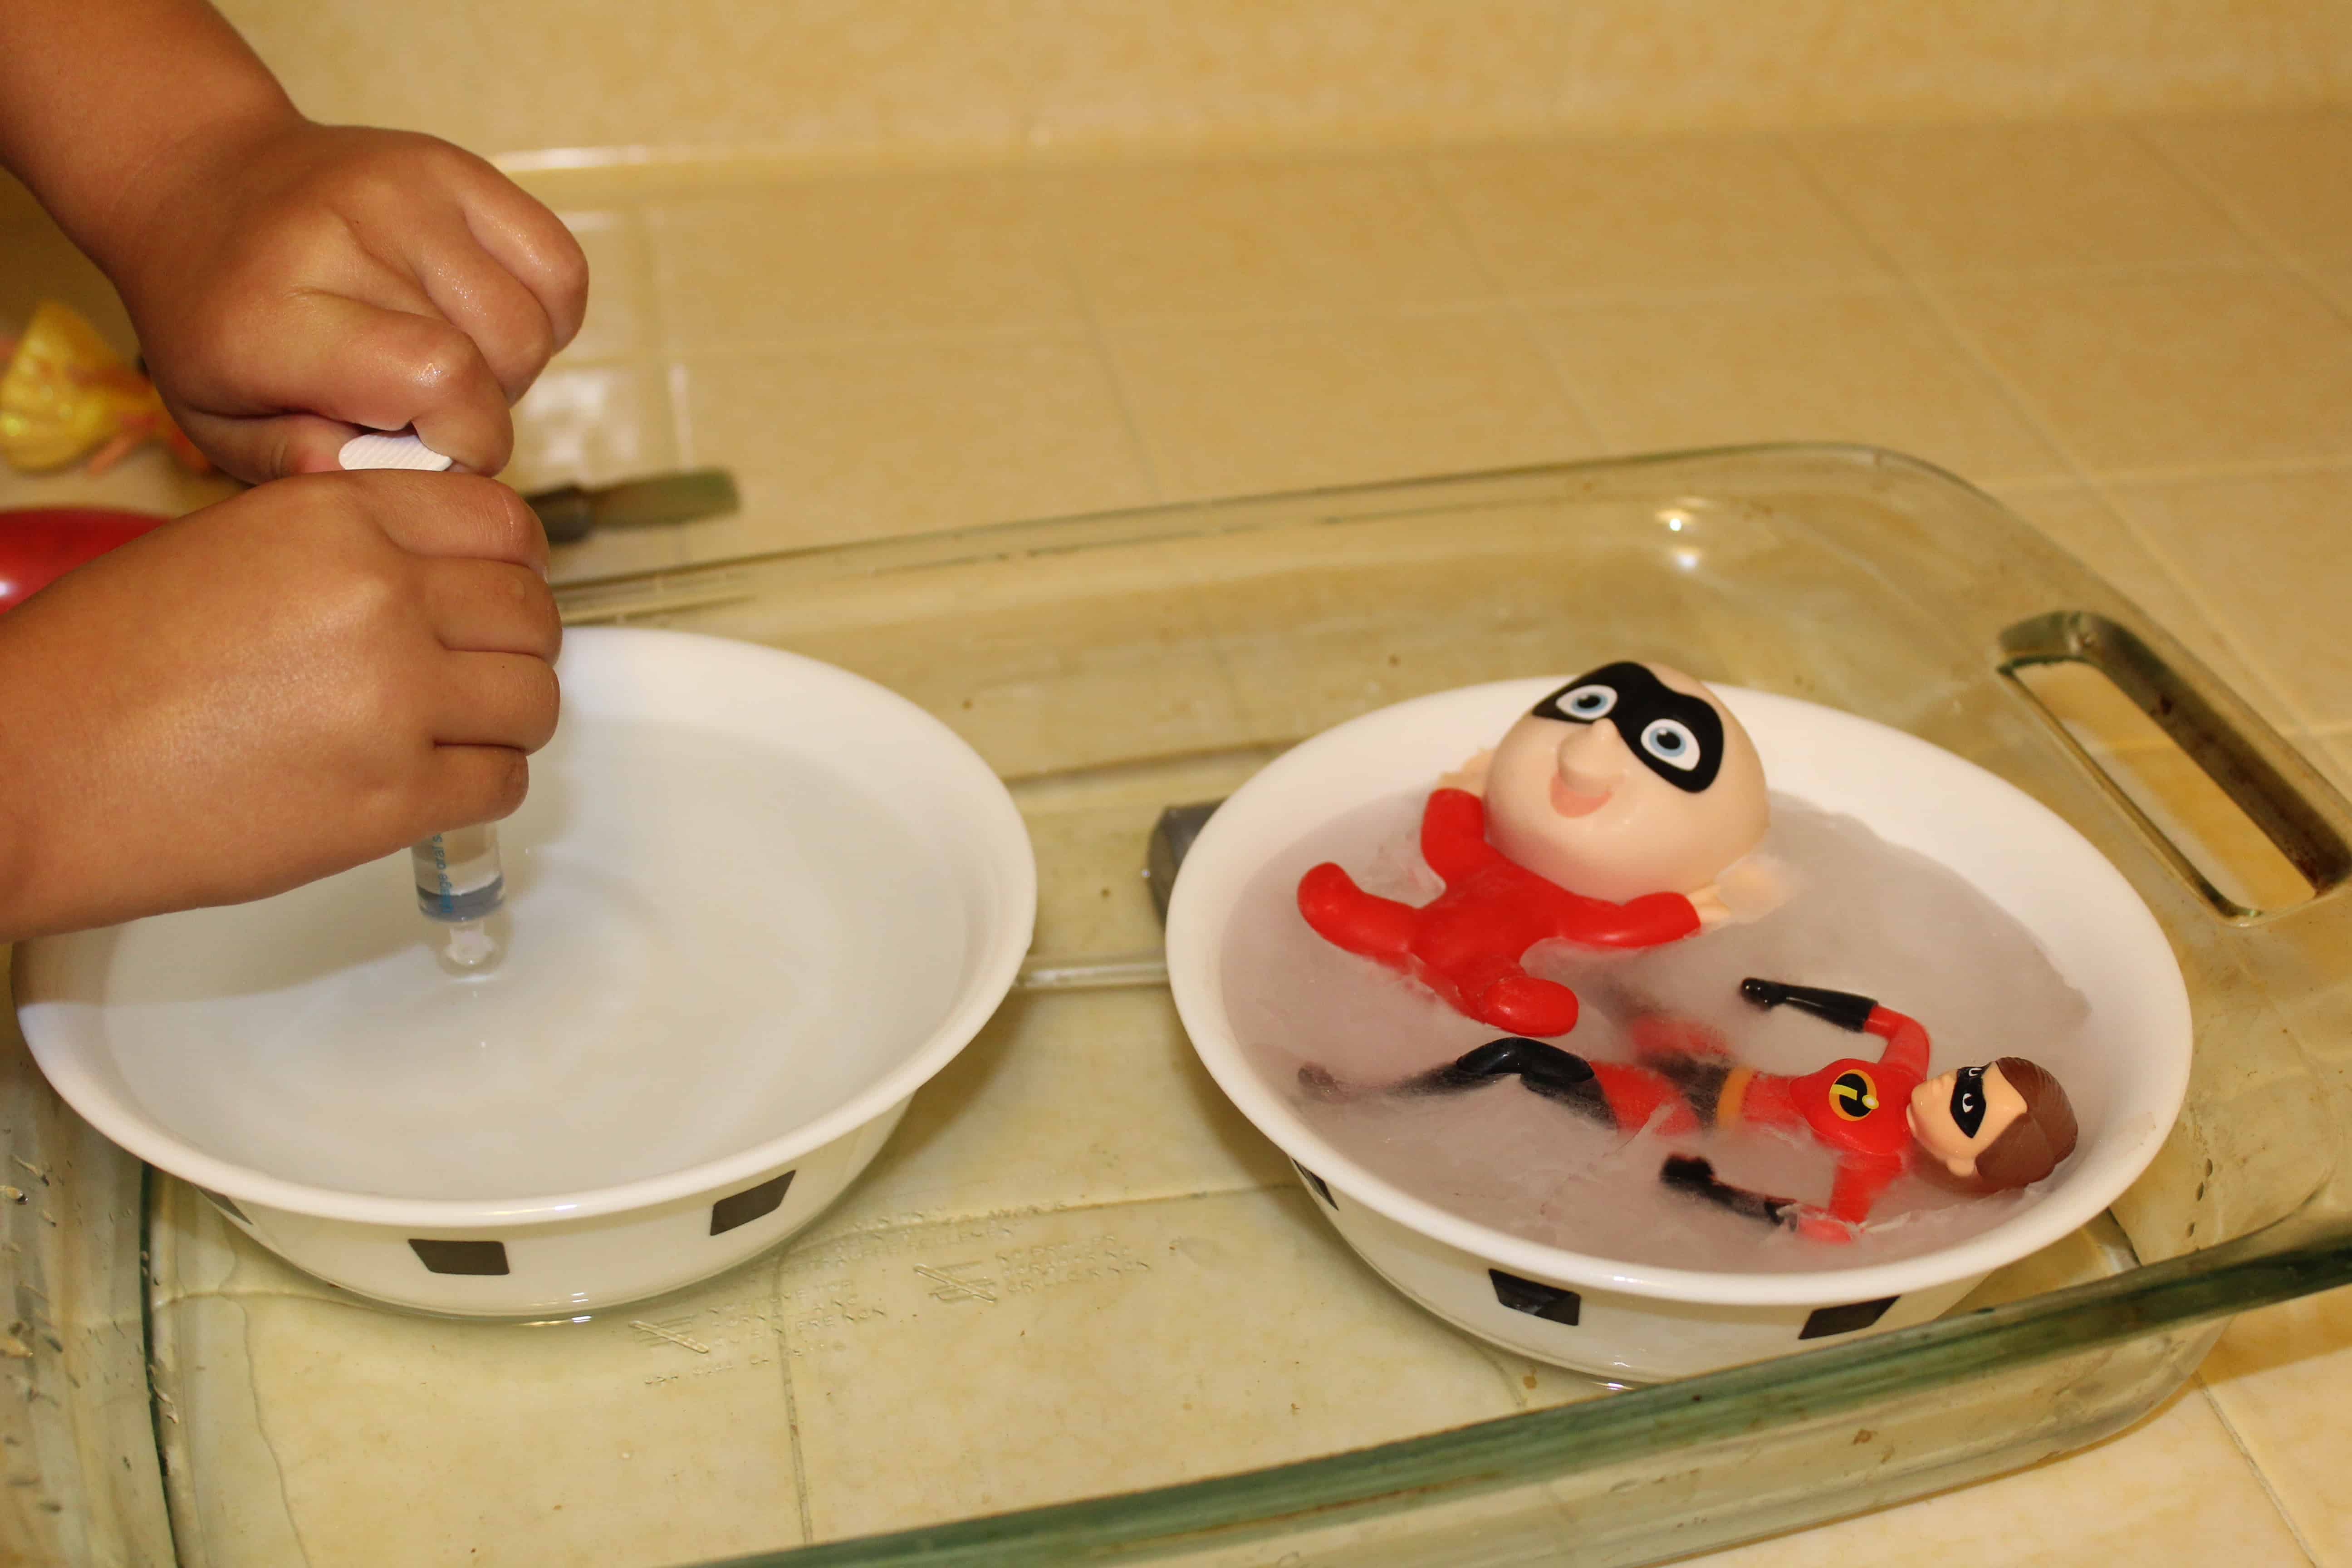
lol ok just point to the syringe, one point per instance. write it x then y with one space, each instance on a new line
460 884
461 888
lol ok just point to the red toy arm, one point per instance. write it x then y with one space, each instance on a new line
1856 1189
1651 921
1453 834
1906 1041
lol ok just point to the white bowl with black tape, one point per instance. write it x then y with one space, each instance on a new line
756 902
2127 1071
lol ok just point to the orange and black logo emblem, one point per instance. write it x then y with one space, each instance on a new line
1853 1096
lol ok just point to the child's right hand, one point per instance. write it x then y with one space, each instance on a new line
277 687
296 283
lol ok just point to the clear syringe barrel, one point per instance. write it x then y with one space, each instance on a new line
461 889
459 876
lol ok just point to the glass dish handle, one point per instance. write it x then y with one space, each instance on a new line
2280 794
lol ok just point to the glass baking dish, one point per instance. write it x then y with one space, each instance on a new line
1078 1309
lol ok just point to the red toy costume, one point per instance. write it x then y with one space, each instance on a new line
1466 943
1688 1080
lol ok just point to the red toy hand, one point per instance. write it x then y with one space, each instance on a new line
39 545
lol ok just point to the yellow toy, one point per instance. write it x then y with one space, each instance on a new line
64 393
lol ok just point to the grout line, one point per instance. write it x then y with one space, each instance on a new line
674 385
2281 254
1040 1211
2190 586
2010 395
2100 483
2261 1477
2193 473
1517 309
1046 213
784 1358
797 340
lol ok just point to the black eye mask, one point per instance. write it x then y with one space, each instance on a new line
1968 1101
1679 737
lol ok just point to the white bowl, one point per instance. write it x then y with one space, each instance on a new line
756 903
2126 1077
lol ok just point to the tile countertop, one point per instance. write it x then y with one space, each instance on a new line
2140 334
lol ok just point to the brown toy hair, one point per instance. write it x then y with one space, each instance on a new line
2031 1147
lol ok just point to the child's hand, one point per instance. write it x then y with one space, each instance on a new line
271 690
280 271
292 282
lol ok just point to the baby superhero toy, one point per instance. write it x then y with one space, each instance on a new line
2005 1124
1608 815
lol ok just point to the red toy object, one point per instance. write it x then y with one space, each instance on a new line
1467 944
2001 1125
48 542
40 544
1619 811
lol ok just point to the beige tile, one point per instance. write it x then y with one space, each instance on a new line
1594 216
839 441
192 1252
150 481
2281 1378
1108 72
1039 1111
812 75
2089 529
2288 176
1262 235
964 1369
591 423
762 265
823 79
620 320
2171 1492
2272 559
616 554
2172 371
2335 284
1871 366
1635 65
606 1441
1229 409
1964 198
2007 60
2331 753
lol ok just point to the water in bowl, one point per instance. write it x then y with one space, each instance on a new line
712 943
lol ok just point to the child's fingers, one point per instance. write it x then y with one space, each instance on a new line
533 246
460 515
491 606
259 450
467 784
384 370
496 700
486 301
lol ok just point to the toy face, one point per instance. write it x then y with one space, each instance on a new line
1631 779
1957 1117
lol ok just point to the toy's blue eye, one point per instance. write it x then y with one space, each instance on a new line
1590 702
1671 741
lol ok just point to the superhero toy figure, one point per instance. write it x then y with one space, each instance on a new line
2005 1124
1610 816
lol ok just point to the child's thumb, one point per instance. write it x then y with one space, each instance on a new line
259 450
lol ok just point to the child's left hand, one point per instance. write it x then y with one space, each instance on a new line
295 282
